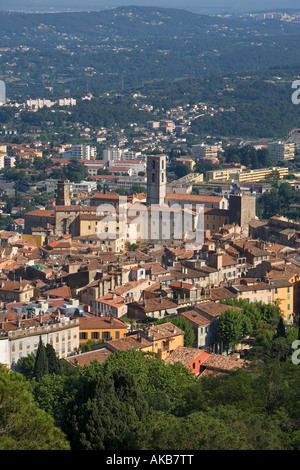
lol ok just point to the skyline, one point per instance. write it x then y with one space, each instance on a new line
200 7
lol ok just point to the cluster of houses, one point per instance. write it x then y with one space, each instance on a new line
66 280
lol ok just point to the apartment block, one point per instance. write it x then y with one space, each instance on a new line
281 151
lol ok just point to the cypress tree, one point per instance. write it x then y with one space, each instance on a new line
54 365
41 362
281 329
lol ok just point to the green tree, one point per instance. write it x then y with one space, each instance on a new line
24 426
25 366
41 362
54 364
230 328
164 386
105 413
184 325
76 171
281 329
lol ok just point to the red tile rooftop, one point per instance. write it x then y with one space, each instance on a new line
85 359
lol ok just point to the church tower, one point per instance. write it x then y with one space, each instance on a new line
156 179
63 193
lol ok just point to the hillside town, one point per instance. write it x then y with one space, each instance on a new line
149 230
102 267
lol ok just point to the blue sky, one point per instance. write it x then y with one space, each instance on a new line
199 6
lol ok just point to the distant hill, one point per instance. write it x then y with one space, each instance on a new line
127 46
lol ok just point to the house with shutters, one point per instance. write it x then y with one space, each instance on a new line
101 329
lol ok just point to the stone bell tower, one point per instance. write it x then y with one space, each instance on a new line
63 193
156 179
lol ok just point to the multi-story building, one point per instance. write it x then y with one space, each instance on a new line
214 219
2 92
160 339
9 162
83 152
261 174
16 291
275 291
282 151
205 151
136 166
113 154
208 202
21 337
101 328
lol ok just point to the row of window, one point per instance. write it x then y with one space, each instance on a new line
33 341
213 217
95 335
58 349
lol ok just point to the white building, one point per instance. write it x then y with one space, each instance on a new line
113 154
66 102
81 152
87 186
62 334
9 162
2 92
205 151
136 165
282 151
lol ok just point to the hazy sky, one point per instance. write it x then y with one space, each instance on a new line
199 6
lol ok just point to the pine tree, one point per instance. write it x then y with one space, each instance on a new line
41 362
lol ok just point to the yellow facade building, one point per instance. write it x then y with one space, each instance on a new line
101 329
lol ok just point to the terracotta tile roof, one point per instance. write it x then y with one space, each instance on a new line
186 356
222 363
228 260
85 359
214 309
15 286
274 283
110 299
41 213
64 292
106 196
12 324
161 303
130 342
164 330
129 285
221 293
101 323
194 198
195 317
75 208
181 285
